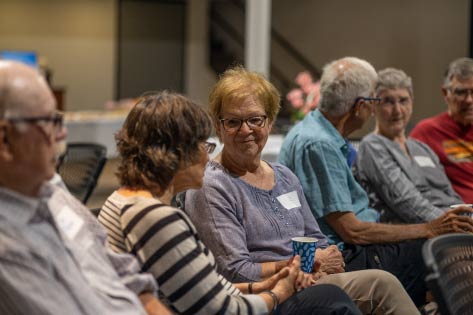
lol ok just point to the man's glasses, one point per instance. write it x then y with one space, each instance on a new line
373 100
461 93
56 119
210 147
234 124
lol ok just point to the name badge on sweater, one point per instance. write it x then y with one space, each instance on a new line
424 161
69 222
289 200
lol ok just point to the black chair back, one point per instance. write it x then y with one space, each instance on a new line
80 168
449 259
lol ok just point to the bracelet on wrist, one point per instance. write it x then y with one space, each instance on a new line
275 299
250 287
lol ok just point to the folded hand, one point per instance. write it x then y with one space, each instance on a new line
329 260
454 221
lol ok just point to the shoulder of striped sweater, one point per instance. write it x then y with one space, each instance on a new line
148 204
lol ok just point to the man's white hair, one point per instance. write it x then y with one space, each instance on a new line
344 80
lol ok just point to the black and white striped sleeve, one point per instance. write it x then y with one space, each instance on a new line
165 243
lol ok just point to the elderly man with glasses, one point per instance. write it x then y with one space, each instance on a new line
315 150
53 258
450 134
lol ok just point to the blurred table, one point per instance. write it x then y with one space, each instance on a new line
95 126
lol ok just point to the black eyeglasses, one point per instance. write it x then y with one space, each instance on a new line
234 124
373 100
57 120
210 147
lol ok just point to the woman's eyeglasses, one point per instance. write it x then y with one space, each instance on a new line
234 124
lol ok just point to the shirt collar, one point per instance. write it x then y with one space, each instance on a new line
331 130
19 208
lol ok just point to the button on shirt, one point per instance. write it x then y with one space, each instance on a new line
53 260
317 153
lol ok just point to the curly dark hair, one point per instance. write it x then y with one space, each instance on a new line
162 132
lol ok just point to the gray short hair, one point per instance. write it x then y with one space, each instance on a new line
461 68
391 79
344 80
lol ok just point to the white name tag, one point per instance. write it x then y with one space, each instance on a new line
69 222
424 161
289 200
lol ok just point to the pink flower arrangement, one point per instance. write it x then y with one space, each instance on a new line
306 97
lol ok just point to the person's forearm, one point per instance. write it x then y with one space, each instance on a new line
270 268
374 233
153 306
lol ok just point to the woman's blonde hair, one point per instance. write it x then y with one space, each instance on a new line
237 84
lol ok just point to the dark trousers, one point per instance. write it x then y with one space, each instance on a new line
321 299
404 260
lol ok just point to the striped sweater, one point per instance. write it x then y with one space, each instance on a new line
166 243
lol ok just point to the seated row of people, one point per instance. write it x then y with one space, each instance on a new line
54 256
405 179
245 210
315 150
248 209
163 151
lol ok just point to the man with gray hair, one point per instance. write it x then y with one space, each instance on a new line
316 151
53 258
450 134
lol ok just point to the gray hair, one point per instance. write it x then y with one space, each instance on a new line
342 82
391 79
461 68
10 71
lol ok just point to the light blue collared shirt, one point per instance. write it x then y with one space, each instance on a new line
317 153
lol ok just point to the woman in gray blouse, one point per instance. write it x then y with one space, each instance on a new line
402 176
